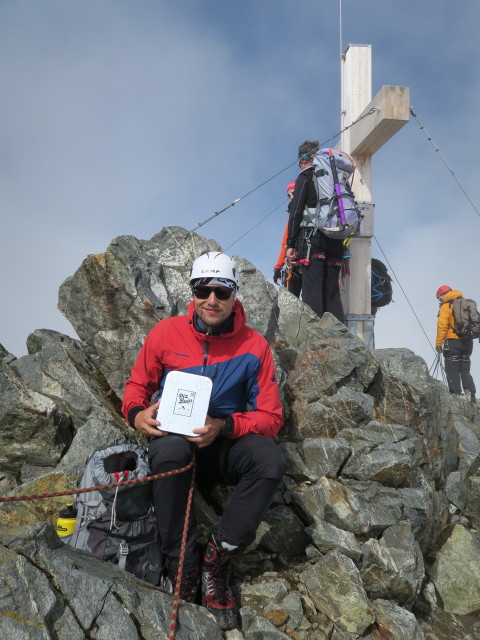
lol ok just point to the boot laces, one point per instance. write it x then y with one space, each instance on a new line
218 578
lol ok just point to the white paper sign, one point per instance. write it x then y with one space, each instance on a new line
184 402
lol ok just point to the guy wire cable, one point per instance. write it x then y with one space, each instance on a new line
255 225
406 297
234 202
451 171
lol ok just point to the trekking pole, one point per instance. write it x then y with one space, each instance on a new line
337 187
437 367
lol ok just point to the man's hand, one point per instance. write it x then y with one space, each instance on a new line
439 349
146 423
291 253
208 433
277 275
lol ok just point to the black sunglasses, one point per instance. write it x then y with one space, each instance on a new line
204 292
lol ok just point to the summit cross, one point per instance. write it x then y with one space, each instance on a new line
392 112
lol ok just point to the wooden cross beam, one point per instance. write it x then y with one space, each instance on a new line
392 112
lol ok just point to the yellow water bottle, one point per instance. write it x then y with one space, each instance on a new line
66 522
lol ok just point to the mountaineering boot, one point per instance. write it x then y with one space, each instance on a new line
188 587
217 596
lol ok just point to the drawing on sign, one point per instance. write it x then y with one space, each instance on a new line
184 403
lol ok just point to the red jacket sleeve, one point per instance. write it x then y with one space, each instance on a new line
266 417
281 255
146 372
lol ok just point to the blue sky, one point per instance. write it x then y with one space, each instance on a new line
122 117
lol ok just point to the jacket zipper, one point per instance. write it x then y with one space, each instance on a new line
205 348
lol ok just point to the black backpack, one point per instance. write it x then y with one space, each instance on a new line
381 284
118 524
466 318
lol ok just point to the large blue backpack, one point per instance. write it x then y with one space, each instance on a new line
337 214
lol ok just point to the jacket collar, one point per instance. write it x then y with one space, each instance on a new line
230 327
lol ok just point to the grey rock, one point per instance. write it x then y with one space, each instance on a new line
281 531
33 428
294 317
293 606
405 394
265 589
335 587
363 508
58 366
394 622
392 567
456 572
392 464
257 627
427 511
313 458
23 513
313 419
5 356
330 334
472 507
259 297
353 405
468 442
116 298
456 490
43 580
327 537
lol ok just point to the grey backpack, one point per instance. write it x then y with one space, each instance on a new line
118 524
466 318
337 214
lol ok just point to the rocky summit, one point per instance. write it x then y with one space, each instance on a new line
373 534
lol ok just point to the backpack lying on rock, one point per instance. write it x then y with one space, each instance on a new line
466 318
118 524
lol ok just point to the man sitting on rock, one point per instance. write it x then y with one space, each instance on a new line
234 446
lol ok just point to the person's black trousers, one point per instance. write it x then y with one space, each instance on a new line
253 464
320 279
457 365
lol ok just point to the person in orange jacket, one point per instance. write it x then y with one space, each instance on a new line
456 351
293 280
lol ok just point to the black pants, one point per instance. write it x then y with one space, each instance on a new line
321 279
457 365
253 463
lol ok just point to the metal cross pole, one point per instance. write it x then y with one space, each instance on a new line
361 142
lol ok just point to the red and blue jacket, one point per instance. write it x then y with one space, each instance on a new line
239 363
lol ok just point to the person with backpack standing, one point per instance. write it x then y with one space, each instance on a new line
321 257
293 279
234 447
456 350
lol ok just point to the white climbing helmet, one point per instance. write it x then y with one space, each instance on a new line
215 265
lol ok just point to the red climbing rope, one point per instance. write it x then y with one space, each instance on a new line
181 559
122 483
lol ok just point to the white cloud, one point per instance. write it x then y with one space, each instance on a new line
123 118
